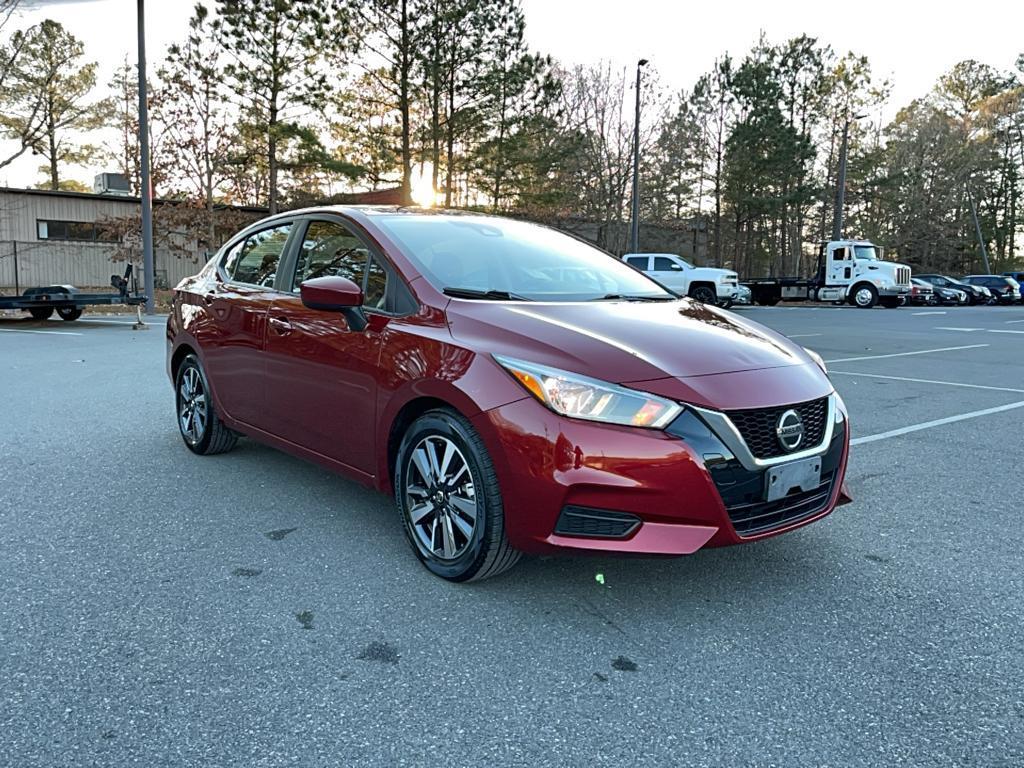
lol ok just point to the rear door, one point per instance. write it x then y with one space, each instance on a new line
321 384
237 301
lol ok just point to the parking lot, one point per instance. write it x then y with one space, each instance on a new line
249 609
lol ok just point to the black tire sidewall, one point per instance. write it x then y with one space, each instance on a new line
203 444
444 424
704 291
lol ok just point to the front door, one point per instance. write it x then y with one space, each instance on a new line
321 379
840 266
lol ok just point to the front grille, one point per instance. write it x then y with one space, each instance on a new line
754 518
596 523
757 426
902 275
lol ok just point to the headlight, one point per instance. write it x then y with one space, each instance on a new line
818 359
581 397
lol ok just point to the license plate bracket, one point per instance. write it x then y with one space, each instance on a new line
804 475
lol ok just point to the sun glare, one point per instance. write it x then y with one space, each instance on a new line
423 192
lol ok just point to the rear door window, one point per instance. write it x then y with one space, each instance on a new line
640 262
255 261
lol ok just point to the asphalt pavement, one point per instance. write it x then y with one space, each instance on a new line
249 609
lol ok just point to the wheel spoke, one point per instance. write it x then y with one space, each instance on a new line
465 507
449 536
422 464
446 460
420 511
417 490
465 528
431 450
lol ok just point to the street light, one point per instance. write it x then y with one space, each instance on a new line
634 235
837 219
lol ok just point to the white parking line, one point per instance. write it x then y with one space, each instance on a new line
1015 321
935 423
956 328
904 354
926 381
929 313
26 330
1003 330
808 335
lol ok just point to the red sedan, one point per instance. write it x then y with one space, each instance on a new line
516 389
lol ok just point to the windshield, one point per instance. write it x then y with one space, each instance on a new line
865 252
513 259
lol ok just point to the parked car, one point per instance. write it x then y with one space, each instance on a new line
950 296
706 284
976 294
921 292
744 295
502 381
1019 277
1004 290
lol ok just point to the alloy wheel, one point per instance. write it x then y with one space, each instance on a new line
193 412
440 498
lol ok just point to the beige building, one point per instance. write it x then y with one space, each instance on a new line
57 238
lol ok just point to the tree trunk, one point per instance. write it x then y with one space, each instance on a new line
404 66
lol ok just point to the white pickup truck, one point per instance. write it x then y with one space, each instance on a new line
705 284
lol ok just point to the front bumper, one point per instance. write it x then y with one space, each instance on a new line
684 486
726 291
893 290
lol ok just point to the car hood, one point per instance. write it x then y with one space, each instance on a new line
640 343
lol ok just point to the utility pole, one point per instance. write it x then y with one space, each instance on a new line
977 228
837 218
634 233
147 187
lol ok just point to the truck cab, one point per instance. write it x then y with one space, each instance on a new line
705 284
854 271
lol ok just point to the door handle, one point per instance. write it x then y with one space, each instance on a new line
281 325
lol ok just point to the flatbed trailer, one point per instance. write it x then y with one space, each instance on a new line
69 302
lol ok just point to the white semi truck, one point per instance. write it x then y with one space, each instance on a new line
848 270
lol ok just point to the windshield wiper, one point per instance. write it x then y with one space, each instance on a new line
630 297
491 295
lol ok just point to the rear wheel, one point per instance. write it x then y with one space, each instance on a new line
41 313
69 313
448 498
200 426
890 302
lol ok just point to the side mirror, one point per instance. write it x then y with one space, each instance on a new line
676 267
335 294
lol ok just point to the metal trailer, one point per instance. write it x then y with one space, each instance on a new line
68 302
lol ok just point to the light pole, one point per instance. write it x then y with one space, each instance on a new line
634 233
837 219
144 181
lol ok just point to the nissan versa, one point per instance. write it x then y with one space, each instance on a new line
516 389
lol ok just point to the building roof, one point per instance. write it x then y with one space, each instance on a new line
117 198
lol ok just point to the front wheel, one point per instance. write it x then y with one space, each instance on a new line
704 294
890 302
865 296
41 313
200 426
448 499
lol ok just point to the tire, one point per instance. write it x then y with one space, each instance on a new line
705 294
726 304
69 313
890 302
41 313
768 302
466 549
864 296
200 426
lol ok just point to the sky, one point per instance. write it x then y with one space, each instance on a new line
909 43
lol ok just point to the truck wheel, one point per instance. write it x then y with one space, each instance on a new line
725 304
41 313
890 302
865 296
768 302
704 294
69 313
